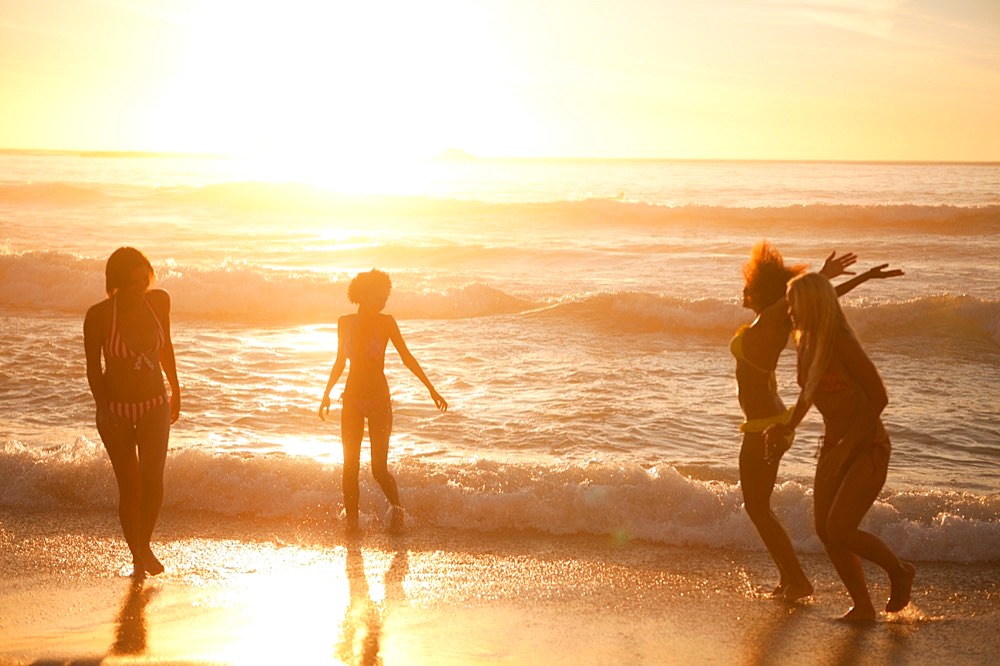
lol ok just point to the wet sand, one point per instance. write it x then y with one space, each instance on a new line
251 592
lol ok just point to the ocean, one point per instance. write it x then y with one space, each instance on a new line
575 314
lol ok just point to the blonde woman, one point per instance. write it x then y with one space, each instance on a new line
838 377
756 348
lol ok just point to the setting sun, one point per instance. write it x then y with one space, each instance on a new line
499 331
308 80
322 81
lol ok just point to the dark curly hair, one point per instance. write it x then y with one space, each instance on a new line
766 274
366 287
121 264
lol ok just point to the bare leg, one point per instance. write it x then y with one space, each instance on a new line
757 478
861 485
152 435
379 432
118 436
352 431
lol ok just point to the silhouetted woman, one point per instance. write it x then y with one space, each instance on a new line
362 339
838 377
130 329
757 347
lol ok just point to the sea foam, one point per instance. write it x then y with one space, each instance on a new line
601 497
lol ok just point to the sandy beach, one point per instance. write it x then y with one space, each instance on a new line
253 593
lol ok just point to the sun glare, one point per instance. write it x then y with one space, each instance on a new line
316 82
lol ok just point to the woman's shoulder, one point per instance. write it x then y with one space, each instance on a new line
158 296
98 318
768 327
99 310
159 300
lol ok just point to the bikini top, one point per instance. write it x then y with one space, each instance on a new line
368 349
116 347
736 349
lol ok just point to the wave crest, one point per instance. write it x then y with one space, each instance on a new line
599 498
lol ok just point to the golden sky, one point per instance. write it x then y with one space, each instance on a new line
712 79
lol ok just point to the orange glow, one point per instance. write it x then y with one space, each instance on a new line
310 82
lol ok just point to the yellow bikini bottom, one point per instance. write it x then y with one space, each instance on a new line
760 425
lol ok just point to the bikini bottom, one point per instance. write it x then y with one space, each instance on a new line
761 424
134 411
368 407
835 459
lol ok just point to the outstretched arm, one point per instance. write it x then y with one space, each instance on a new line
876 273
411 363
832 267
338 369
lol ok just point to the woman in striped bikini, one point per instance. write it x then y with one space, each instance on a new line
131 331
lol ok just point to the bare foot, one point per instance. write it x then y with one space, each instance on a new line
779 590
138 570
151 565
862 614
900 586
351 527
395 520
798 590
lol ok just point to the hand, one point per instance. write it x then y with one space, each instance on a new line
879 272
175 406
439 402
834 265
324 406
776 442
103 416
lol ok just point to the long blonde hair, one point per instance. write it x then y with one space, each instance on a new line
818 320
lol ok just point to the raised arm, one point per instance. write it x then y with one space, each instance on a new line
835 266
339 364
832 267
411 363
876 273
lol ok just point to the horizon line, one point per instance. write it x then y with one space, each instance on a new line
445 156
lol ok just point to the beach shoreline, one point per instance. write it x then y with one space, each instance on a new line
255 591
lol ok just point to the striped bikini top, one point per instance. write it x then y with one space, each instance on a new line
115 346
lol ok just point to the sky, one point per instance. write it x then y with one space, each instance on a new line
712 79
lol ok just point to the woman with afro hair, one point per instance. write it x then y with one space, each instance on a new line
362 339
756 347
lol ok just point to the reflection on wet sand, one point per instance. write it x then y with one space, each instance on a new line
773 635
361 629
130 626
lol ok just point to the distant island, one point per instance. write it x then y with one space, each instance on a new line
455 154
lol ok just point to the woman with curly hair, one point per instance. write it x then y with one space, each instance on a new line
838 377
362 339
756 347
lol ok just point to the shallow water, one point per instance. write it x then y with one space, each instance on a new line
575 315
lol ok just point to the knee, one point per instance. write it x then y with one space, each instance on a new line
381 473
757 508
351 471
833 537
